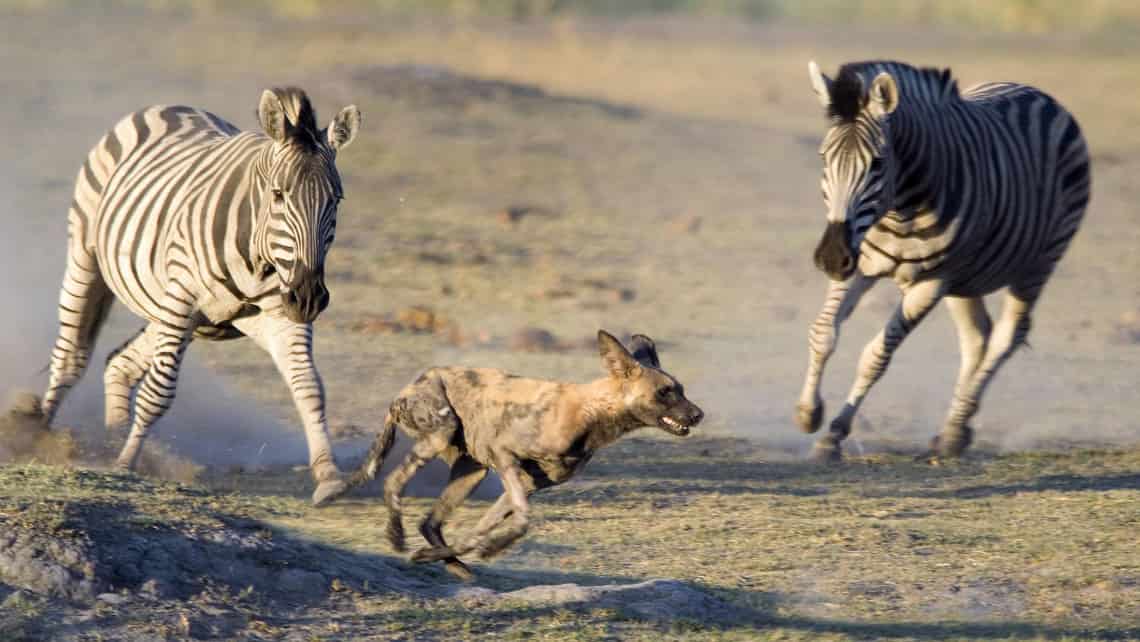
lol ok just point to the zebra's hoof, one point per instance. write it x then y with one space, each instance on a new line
809 418
953 444
329 490
826 453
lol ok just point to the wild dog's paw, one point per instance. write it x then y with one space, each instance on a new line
826 452
395 534
433 554
809 418
329 490
460 570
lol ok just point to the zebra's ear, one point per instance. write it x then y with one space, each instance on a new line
820 83
343 128
884 94
271 115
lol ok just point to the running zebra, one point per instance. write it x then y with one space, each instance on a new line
953 195
203 231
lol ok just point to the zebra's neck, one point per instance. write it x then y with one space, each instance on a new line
259 207
924 154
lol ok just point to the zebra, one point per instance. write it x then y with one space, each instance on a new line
204 231
954 196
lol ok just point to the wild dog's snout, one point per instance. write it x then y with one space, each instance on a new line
694 415
833 254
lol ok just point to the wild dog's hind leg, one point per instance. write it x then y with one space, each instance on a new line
466 473
126 366
427 447
842 297
424 413
474 541
84 301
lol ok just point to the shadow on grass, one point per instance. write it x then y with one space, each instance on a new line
1061 483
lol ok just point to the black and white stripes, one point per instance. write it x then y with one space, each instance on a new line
202 230
953 195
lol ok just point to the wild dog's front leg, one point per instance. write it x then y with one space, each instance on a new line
290 345
842 297
519 521
917 301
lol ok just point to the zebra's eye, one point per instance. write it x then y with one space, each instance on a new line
278 196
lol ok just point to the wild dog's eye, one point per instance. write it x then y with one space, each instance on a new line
663 394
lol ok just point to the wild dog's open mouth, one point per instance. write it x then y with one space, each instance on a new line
673 426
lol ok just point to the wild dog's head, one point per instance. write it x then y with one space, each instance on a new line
651 395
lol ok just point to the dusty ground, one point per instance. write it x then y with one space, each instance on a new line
658 177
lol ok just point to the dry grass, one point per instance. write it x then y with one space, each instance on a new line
647 127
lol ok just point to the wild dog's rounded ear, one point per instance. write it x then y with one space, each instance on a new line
884 94
271 115
618 362
342 130
644 350
820 83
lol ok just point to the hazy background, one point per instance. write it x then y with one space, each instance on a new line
560 166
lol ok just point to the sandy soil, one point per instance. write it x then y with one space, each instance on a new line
656 177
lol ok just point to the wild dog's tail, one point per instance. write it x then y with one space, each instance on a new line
376 454
375 458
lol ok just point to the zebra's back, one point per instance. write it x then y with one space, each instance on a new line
139 185
1014 174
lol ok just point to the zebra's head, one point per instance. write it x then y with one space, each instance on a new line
858 163
297 192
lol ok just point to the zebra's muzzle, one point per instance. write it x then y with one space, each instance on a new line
306 300
833 254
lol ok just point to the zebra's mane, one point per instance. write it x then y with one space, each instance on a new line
300 118
848 92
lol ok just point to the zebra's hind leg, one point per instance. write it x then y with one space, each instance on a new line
126 366
1008 333
84 301
917 301
974 326
155 393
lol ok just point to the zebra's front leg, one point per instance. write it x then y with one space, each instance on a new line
917 301
842 297
1010 332
171 335
290 344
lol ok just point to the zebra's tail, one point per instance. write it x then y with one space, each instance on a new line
375 458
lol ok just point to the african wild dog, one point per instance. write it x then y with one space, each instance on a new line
533 433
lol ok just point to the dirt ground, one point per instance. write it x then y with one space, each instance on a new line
515 187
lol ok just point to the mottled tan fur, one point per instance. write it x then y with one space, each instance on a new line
533 433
